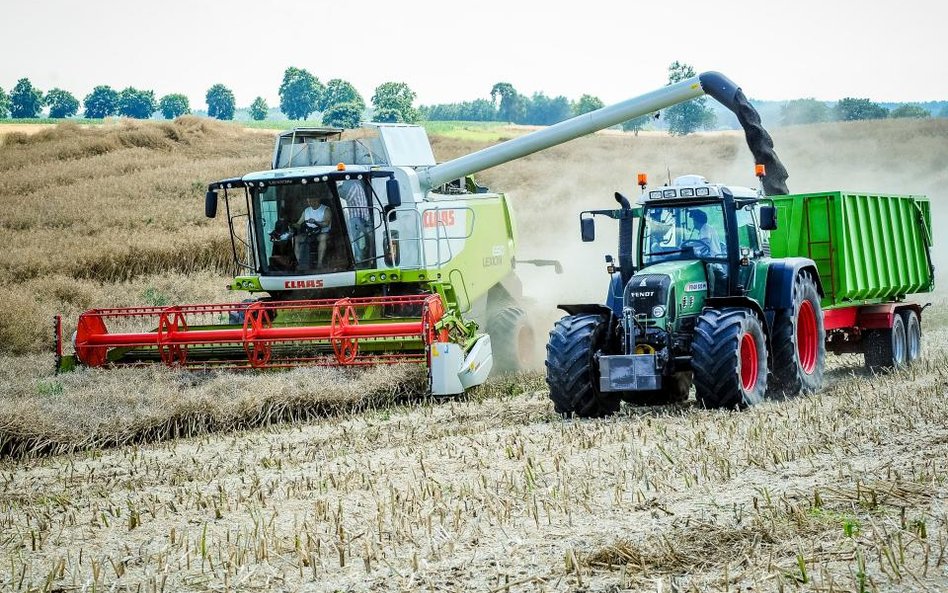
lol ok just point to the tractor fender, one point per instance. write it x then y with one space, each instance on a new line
780 278
614 296
593 308
741 302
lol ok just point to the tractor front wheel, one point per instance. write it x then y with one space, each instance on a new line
799 342
572 371
729 358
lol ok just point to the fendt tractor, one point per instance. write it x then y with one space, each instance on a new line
741 292
360 249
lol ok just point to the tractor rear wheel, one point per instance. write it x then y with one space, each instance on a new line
572 372
511 340
885 349
729 358
913 335
798 342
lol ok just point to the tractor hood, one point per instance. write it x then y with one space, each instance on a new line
678 287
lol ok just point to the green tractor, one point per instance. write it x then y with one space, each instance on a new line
711 292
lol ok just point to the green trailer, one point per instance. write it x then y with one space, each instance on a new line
868 248
872 252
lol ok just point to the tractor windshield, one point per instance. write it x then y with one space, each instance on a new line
317 227
683 232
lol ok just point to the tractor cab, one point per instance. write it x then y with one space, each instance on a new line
688 220
692 219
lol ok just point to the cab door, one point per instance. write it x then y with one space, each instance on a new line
748 240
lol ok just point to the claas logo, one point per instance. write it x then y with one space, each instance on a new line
432 218
303 284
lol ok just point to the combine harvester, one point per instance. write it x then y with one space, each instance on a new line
368 252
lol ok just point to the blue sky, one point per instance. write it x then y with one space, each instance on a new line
454 51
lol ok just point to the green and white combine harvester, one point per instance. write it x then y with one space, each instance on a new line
363 250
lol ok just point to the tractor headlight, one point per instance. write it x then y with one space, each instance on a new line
658 311
703 191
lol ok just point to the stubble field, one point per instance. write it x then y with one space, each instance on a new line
327 480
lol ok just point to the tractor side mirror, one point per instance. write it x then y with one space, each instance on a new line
394 193
587 229
768 218
210 204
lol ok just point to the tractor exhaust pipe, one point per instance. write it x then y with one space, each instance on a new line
714 84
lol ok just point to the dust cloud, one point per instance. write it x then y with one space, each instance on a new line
549 189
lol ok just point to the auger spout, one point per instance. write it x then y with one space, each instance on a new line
714 84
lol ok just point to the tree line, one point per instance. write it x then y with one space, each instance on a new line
508 105
301 94
811 111
340 105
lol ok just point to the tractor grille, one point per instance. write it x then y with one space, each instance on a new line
645 291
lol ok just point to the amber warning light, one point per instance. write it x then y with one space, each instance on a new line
760 170
643 180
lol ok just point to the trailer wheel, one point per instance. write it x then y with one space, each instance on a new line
885 349
572 372
729 358
913 336
512 340
798 342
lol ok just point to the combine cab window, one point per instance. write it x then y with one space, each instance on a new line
302 229
683 232
362 220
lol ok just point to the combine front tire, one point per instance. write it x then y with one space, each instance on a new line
729 358
885 349
572 371
799 342
511 340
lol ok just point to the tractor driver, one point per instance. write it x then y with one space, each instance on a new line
707 234
314 225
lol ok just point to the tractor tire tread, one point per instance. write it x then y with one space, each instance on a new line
787 376
572 375
714 358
